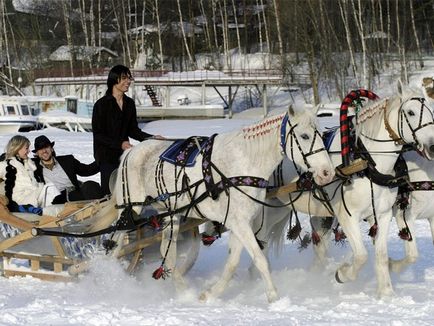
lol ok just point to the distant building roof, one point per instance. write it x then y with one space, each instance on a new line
82 52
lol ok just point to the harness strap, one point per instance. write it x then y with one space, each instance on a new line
392 134
386 180
206 168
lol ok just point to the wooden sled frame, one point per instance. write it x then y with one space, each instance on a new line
55 266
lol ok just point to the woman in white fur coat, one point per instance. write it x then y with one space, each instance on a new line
20 186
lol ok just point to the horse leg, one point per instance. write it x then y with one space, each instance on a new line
189 256
411 252
431 225
320 248
384 283
235 249
349 271
243 231
270 230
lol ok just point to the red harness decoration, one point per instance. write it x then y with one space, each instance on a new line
344 125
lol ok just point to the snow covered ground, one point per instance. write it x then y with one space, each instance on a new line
108 296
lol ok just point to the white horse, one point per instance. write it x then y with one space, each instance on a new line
383 128
420 206
238 158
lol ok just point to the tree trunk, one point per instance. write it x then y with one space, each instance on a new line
184 36
207 29
125 26
124 52
416 38
160 42
359 23
240 50
267 36
279 34
224 19
344 15
65 7
401 48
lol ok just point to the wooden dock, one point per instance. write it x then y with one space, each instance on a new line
145 81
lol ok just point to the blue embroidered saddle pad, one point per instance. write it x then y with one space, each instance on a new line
328 136
183 152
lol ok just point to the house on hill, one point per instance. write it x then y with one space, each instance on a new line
84 56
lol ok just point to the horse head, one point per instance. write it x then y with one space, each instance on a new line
302 143
415 123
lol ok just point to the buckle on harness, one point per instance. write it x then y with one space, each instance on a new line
127 218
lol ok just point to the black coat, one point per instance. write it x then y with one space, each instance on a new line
71 166
111 126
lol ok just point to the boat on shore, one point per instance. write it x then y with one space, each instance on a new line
16 115
68 113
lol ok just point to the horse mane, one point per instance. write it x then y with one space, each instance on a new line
265 132
266 125
371 126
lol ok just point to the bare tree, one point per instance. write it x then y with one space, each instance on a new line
401 47
125 32
344 15
357 12
267 36
234 9
279 33
207 28
261 46
65 10
160 42
224 20
416 38
99 32
6 38
184 36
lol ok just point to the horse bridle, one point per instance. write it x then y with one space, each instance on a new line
420 126
284 139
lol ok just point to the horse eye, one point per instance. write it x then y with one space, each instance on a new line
304 136
411 113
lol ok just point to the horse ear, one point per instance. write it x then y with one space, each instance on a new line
291 110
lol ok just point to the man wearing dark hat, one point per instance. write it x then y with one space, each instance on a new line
62 171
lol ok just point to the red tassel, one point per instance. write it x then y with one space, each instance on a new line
208 240
160 272
373 231
405 234
155 223
339 235
315 238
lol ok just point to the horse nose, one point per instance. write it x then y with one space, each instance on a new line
431 148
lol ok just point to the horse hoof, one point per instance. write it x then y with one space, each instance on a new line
273 298
203 297
337 278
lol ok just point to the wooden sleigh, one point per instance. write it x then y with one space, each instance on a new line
48 257
23 251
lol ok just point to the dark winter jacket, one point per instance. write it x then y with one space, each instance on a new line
71 166
111 126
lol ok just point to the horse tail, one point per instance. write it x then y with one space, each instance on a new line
278 230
